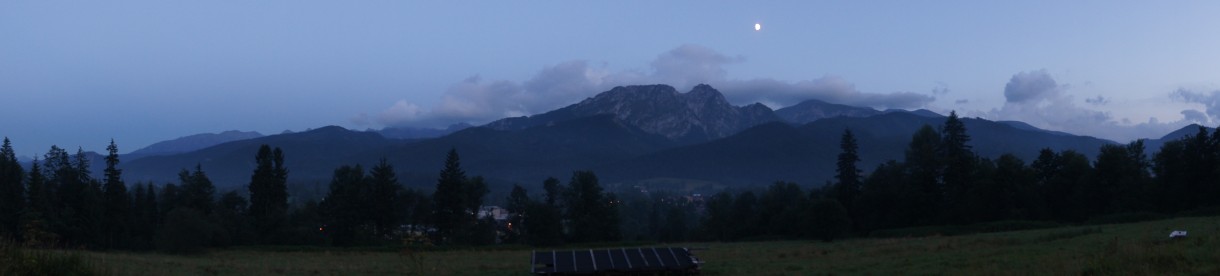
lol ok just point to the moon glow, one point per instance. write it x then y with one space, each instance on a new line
757 26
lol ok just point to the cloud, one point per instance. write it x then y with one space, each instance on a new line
399 113
689 65
1030 87
1099 100
1036 98
478 101
962 101
1195 116
1209 100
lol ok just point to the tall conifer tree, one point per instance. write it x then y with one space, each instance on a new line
12 192
848 188
268 192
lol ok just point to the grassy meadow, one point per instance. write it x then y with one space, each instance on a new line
1136 248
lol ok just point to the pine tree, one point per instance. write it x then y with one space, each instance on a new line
384 199
143 216
848 188
197 191
269 192
959 163
40 212
346 207
923 170
79 216
117 201
12 193
451 215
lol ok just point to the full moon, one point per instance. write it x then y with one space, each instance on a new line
757 26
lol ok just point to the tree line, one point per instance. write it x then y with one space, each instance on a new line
940 181
57 203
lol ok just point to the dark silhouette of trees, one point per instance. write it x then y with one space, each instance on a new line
346 207
116 226
940 182
847 190
591 213
1187 172
544 220
269 192
829 218
958 171
12 193
923 165
517 204
197 191
718 223
385 198
232 215
144 217
456 202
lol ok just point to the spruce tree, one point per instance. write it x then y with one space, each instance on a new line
346 207
12 193
848 188
384 198
923 177
450 214
959 163
198 191
268 192
40 212
117 201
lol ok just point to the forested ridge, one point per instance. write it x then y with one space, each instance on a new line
940 181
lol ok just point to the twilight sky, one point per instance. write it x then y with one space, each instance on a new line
78 73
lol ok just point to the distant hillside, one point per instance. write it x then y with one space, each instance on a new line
310 155
627 134
813 110
526 156
191 143
807 154
420 133
1154 145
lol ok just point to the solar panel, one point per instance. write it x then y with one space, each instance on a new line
671 260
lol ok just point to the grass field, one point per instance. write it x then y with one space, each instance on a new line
1136 248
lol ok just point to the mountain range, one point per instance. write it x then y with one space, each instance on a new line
627 135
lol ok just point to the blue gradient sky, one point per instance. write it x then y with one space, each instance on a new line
77 73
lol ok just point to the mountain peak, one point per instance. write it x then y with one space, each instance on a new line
699 115
705 92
